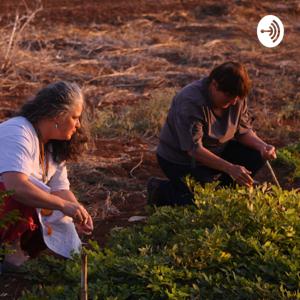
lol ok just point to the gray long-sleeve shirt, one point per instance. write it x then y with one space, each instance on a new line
191 122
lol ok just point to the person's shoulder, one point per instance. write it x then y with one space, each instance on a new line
18 121
17 125
195 92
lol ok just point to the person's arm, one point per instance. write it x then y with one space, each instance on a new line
27 193
68 195
251 140
239 173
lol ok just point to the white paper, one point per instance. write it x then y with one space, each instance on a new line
137 218
63 238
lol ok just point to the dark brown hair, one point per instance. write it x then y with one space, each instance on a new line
232 79
51 101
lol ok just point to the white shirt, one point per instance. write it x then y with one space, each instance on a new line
19 152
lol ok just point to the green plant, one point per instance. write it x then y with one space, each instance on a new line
290 157
143 119
233 244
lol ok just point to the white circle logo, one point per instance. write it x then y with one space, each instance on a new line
270 31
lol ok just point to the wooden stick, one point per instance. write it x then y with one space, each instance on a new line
16 33
272 173
10 44
139 163
84 286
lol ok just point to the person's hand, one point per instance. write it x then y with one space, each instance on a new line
268 152
76 211
86 228
241 175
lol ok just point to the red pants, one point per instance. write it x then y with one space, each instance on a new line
26 227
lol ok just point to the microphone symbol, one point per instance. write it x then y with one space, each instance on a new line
274 31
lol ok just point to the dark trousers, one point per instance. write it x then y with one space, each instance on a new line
175 192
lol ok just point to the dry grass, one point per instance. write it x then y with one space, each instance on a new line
145 118
131 68
20 23
121 65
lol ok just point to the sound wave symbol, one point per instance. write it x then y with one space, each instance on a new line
274 31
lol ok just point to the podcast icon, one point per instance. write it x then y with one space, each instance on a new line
270 31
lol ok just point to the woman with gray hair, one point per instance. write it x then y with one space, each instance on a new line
34 148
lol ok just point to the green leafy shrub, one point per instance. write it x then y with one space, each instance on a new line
233 244
290 157
142 119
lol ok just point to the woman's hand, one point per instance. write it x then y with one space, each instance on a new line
268 152
85 228
81 218
241 175
79 214
74 209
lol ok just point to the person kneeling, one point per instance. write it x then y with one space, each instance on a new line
34 148
208 135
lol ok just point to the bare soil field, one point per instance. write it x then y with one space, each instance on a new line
121 52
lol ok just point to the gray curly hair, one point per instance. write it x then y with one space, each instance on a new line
53 100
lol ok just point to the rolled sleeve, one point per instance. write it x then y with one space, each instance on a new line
197 133
244 125
188 129
59 181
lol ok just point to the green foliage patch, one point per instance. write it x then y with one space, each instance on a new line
290 157
233 244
